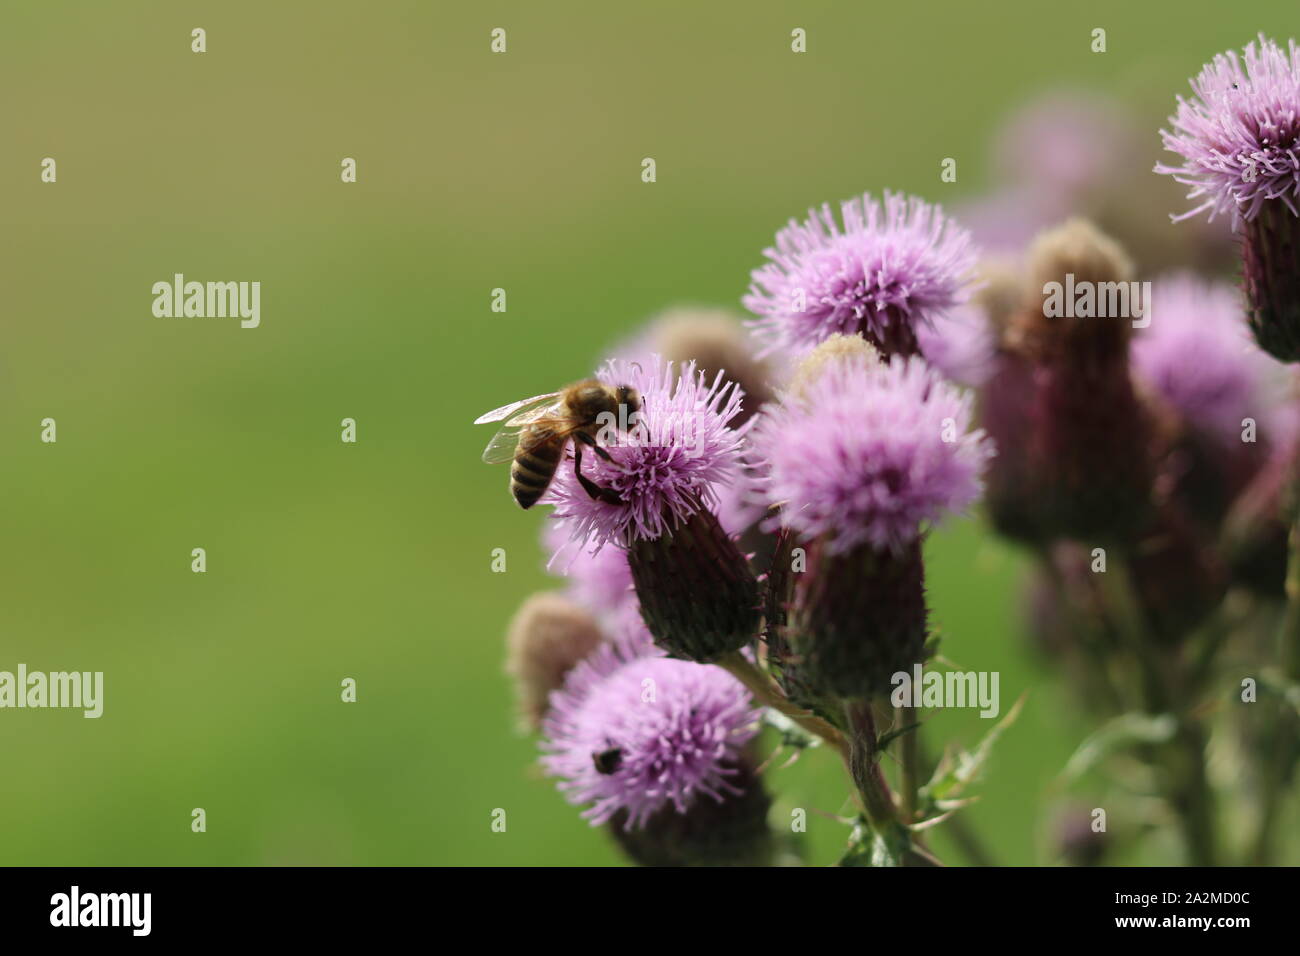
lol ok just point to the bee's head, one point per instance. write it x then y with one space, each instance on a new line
629 396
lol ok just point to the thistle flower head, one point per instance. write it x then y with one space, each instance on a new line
1239 135
961 345
665 467
1064 144
1198 356
885 269
635 732
1075 251
869 454
834 349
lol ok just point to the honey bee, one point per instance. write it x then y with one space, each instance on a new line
535 432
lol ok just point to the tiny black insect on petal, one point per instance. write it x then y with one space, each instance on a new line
608 761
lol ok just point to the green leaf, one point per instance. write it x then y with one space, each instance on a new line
888 738
954 773
868 848
859 850
1119 733
1277 684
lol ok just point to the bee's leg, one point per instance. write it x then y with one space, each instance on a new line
590 487
588 440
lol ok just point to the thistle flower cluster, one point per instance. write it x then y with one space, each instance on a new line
850 450
757 552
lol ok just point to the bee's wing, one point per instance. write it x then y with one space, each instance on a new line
514 408
505 442
502 446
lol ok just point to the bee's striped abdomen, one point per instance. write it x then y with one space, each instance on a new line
534 466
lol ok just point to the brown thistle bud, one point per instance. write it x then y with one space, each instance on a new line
1000 291
835 348
548 636
1075 256
698 595
1084 467
716 341
1005 405
1177 577
1255 531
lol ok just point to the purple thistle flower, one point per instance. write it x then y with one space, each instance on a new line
869 454
599 578
1197 354
1239 135
667 749
961 345
666 467
1064 145
888 269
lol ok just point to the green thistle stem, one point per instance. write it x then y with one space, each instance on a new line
864 765
1278 764
909 755
1291 621
769 695
1187 786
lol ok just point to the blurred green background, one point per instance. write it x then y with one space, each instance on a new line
328 560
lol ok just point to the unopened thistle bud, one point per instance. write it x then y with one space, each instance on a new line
1178 578
716 341
696 591
1086 443
862 462
1000 291
1255 531
1238 137
548 637
1006 410
835 349
1075 257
